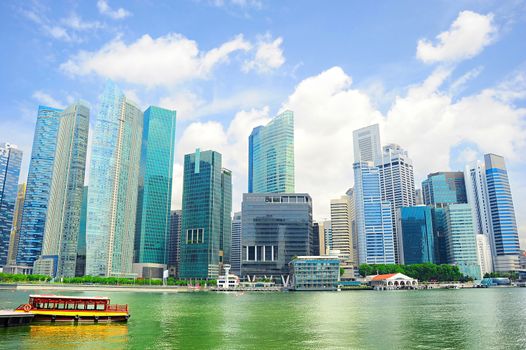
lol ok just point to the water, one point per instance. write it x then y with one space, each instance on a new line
434 319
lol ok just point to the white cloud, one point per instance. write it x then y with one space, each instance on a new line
46 99
168 60
269 55
105 9
467 36
257 4
77 23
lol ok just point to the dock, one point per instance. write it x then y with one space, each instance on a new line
10 318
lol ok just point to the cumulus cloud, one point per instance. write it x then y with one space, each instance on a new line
467 36
269 55
167 60
105 9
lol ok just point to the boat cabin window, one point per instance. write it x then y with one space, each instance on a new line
90 307
41 306
60 306
81 306
71 306
50 306
100 306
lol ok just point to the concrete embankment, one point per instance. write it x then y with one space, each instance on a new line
98 288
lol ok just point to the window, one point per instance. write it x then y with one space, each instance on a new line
251 253
71 306
195 236
60 306
100 307
81 306
90 307
50 305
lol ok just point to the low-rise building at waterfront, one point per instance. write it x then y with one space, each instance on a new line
315 273
392 281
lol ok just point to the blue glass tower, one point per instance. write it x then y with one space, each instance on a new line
155 186
10 161
444 188
271 156
373 217
38 185
502 215
416 230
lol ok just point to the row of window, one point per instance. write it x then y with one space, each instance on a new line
195 236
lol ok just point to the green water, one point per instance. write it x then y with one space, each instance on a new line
435 319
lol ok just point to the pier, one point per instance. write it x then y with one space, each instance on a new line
10 318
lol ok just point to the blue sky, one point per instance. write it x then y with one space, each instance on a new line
446 80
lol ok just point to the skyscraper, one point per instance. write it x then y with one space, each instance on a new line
155 186
484 254
415 230
275 228
80 269
366 143
225 239
10 161
271 156
373 217
113 183
398 183
505 237
203 231
461 239
173 241
341 223
62 224
17 220
235 257
444 188
38 186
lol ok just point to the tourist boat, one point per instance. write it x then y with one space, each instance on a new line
57 308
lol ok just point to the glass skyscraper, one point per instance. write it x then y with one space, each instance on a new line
235 254
271 156
113 184
155 186
373 217
80 268
62 225
275 228
173 241
207 191
10 162
17 220
416 235
444 188
38 186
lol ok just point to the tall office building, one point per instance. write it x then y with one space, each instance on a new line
276 227
505 237
373 217
341 222
439 224
419 197
80 268
203 231
10 161
38 186
59 246
225 239
484 254
17 220
366 142
316 237
415 228
398 183
444 188
235 257
155 187
113 183
173 241
271 156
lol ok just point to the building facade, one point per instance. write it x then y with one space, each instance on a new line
113 183
173 241
62 225
80 269
38 186
416 241
316 273
373 217
235 256
10 162
271 156
17 220
366 142
275 228
444 188
341 223
154 200
203 228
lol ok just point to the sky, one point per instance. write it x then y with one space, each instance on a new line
445 80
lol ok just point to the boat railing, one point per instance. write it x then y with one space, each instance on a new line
117 307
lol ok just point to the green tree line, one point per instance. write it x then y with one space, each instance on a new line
427 272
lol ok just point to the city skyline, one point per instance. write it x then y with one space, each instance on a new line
464 81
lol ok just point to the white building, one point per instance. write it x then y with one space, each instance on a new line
392 281
366 142
484 254
341 224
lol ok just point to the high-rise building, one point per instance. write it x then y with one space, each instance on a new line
484 254
366 142
10 162
225 239
271 156
80 269
419 197
38 186
203 231
416 242
505 237
341 224
444 188
17 220
398 183
173 241
235 255
373 217
461 239
315 246
113 183
439 224
275 228
155 187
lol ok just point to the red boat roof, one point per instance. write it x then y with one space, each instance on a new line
52 296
